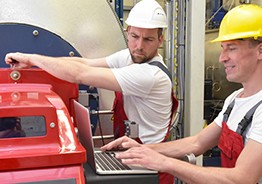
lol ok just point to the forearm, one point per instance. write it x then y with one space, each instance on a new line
63 68
76 72
98 62
200 175
197 144
178 148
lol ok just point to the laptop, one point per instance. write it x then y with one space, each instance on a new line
103 163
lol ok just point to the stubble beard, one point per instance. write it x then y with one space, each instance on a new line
140 60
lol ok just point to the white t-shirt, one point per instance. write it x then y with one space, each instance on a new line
241 107
146 93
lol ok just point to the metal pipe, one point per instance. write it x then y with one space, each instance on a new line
169 41
180 57
175 55
245 1
104 137
101 112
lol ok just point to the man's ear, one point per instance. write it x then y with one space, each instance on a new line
161 40
126 32
260 47
260 51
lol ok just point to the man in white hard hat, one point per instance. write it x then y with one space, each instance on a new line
138 72
237 130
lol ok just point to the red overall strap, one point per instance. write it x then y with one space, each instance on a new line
119 116
231 144
166 178
173 110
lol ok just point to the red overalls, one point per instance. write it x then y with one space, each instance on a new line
119 128
230 143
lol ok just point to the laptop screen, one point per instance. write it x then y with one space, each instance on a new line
84 131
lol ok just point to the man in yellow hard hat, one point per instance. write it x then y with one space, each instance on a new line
237 130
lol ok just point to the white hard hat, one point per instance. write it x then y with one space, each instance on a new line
147 14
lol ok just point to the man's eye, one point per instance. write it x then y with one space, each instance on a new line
149 40
232 48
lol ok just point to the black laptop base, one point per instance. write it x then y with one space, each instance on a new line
93 178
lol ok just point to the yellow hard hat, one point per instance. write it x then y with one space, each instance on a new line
243 21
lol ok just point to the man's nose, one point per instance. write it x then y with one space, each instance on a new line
140 43
223 57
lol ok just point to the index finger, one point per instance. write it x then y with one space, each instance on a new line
116 144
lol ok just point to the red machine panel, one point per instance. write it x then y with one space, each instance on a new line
31 105
65 90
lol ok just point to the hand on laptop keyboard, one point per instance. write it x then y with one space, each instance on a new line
122 143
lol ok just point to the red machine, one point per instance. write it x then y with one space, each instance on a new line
48 149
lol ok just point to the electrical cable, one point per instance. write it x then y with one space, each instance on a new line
100 129
99 123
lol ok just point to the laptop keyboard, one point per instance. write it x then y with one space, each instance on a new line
107 161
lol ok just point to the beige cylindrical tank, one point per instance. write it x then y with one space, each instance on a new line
91 27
